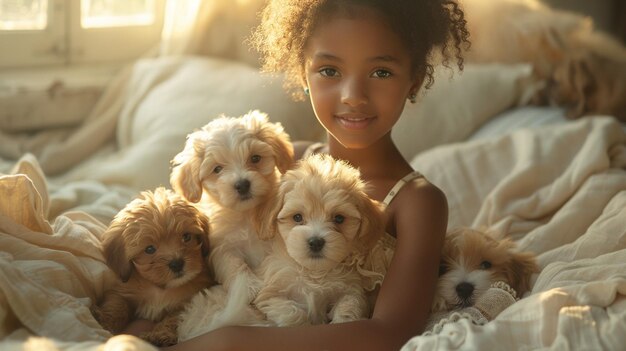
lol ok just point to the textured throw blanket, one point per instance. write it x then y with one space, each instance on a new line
559 191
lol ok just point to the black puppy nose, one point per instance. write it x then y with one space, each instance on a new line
242 186
176 265
465 289
316 244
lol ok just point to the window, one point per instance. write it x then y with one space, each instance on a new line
49 32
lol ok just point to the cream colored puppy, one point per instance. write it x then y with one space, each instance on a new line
236 163
323 226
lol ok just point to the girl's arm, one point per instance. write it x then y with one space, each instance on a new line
402 306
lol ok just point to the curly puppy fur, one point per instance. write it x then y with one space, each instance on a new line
157 245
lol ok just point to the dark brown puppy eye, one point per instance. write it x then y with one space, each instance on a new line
485 265
297 217
186 237
150 250
217 169
339 219
255 159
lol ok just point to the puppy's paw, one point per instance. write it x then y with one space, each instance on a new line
343 318
106 320
160 338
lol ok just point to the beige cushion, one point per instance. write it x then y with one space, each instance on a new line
457 105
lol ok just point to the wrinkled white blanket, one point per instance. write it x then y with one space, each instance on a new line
560 191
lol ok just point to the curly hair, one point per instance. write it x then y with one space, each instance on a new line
424 26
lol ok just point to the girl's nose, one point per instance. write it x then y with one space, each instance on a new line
353 93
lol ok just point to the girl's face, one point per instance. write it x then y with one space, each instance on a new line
359 75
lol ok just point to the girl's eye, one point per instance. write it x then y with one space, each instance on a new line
255 158
217 169
297 217
186 237
381 73
150 250
443 269
339 219
485 265
329 72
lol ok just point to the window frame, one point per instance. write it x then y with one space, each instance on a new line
65 42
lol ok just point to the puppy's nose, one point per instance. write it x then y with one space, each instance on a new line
465 290
176 265
242 186
316 244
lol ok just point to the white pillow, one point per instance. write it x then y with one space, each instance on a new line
170 97
457 105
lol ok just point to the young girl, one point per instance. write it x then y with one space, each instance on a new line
359 61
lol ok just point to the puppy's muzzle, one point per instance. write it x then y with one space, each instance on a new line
465 290
177 265
316 244
243 187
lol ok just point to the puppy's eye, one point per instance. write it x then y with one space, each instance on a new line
485 265
150 250
255 158
297 217
339 219
186 237
443 269
217 169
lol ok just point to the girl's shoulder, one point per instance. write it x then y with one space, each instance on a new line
420 192
418 202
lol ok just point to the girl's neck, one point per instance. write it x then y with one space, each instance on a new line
377 161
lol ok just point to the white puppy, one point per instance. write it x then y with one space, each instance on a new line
236 163
326 226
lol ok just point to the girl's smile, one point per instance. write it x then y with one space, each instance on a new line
355 121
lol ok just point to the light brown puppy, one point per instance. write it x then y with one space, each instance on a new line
472 261
157 245
323 226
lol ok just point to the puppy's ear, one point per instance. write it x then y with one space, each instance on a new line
185 176
274 135
266 220
114 251
584 84
521 267
372 222
204 238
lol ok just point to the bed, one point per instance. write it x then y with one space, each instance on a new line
556 185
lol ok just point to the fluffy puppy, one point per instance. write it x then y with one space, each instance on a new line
157 245
575 65
472 261
323 226
589 78
237 163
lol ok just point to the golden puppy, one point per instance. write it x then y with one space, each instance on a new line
323 226
237 163
472 261
157 245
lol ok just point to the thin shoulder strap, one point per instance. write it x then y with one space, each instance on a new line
396 188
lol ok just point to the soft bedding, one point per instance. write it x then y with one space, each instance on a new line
558 188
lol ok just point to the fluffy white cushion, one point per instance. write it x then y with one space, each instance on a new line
170 97
457 105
